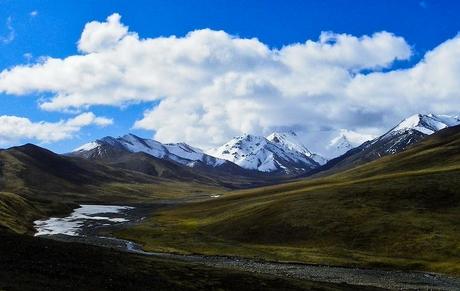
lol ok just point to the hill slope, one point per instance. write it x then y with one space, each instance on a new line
49 183
402 210
36 181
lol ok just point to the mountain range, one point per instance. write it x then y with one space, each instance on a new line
181 153
408 132
280 153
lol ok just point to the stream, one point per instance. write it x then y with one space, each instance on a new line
86 223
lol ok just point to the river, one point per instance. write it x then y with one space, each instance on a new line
86 223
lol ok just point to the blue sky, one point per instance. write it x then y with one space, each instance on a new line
32 29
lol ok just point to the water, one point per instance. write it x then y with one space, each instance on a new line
86 216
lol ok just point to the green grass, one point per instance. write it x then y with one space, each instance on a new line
16 213
36 183
400 211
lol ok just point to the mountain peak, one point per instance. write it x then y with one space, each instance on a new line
131 135
280 151
87 146
284 133
340 145
248 137
426 123
289 140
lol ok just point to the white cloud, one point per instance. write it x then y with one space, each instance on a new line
11 35
431 85
99 36
14 128
212 85
33 13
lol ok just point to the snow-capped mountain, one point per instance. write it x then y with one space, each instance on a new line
408 132
339 145
425 123
281 153
290 141
411 130
181 153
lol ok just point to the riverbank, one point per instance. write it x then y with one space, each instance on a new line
388 279
34 263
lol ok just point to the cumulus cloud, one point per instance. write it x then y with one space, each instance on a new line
14 128
99 36
211 85
431 85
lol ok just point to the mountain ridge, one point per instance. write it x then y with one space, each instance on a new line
405 134
109 147
284 154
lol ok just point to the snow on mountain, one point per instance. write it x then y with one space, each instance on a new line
136 144
280 151
426 124
290 141
407 132
87 147
339 145
259 153
345 140
412 130
180 152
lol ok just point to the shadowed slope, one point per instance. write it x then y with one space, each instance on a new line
39 264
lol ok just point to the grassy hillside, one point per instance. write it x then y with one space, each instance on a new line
399 211
16 213
35 182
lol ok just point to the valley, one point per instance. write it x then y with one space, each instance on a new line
390 222
92 224
399 211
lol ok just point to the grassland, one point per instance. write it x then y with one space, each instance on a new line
16 213
401 211
35 183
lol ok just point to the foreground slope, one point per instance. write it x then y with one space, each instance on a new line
28 263
402 211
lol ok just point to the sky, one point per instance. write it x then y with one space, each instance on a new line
202 72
